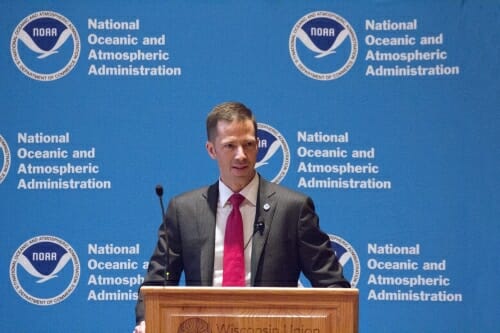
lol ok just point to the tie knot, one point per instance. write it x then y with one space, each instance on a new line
236 199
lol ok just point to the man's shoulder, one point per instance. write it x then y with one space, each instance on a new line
201 193
271 188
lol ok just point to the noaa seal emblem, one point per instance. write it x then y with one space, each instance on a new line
273 158
323 45
5 166
44 270
347 257
45 46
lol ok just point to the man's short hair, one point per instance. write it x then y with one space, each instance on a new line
228 111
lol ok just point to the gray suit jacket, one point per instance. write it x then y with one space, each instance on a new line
291 242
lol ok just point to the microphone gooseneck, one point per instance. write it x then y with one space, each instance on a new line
159 193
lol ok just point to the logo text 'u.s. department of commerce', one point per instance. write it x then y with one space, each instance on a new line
45 46
348 258
44 270
5 161
323 45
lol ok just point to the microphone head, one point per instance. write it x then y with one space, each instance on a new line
159 190
260 226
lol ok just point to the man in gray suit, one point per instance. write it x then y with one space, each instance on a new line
281 229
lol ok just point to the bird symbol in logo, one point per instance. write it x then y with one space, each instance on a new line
28 266
304 38
344 258
28 41
270 153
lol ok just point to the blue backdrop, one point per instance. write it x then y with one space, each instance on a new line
384 112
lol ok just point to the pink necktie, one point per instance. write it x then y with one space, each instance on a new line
234 259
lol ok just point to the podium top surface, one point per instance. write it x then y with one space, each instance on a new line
173 290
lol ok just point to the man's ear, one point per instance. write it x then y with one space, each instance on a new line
210 149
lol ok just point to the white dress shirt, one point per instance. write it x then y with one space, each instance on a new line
247 209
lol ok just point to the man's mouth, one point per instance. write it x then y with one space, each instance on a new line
240 167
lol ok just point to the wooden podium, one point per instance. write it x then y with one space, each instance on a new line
250 310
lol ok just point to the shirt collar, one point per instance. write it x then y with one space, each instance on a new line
249 191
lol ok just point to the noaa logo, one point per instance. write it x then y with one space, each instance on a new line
347 257
323 45
45 46
5 166
44 270
273 158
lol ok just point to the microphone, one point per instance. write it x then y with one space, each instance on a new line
258 226
159 193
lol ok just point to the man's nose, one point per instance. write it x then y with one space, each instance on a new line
240 152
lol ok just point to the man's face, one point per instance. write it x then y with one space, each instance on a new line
235 149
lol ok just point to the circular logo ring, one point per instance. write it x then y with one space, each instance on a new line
19 259
4 170
331 27
21 35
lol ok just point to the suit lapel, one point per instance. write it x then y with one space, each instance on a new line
206 227
266 206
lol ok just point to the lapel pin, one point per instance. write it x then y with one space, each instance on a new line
266 206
